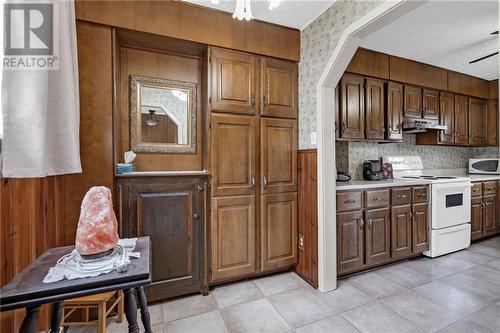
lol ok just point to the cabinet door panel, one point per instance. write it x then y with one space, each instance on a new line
233 155
477 121
461 120
492 122
278 231
490 215
233 237
401 231
278 88
394 111
430 104
412 102
232 81
352 107
278 155
374 109
420 228
476 223
447 117
377 235
350 241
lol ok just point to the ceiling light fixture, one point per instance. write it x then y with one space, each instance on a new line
243 11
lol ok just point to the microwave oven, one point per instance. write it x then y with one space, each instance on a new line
484 166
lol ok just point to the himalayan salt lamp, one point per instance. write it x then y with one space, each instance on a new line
97 231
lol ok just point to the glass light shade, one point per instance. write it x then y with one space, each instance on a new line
273 4
215 2
243 10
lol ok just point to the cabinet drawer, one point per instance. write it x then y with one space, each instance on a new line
489 188
477 190
349 201
401 196
377 198
420 194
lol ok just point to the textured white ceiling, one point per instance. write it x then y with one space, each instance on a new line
296 14
446 34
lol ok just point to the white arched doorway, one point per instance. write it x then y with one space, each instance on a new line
326 109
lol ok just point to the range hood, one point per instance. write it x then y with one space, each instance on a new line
421 125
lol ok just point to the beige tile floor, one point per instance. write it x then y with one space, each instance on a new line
456 293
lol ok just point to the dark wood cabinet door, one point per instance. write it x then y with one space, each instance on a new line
374 109
478 129
232 237
394 111
233 154
476 222
278 155
461 120
489 215
412 102
352 107
430 104
279 82
378 233
492 134
278 231
420 228
232 81
350 241
170 210
401 231
447 117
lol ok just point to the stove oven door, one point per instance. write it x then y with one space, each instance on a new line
450 204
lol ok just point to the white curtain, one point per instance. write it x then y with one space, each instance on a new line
40 109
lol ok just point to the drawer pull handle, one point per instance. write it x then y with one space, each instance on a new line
489 188
475 190
422 194
349 201
402 196
378 199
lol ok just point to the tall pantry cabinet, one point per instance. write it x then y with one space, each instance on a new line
252 153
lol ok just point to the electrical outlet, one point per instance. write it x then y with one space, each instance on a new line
313 138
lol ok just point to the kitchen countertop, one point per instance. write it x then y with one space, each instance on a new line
367 184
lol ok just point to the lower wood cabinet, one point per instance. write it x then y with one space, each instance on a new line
378 233
171 211
484 210
401 231
420 228
350 241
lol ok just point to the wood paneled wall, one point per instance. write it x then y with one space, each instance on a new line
194 23
31 221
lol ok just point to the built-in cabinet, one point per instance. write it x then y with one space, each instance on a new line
253 163
484 209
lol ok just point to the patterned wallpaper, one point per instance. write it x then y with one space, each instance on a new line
318 40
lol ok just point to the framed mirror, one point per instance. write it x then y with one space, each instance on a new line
162 115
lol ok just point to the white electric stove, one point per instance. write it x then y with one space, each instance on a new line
450 205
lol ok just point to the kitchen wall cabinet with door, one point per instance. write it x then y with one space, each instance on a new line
253 163
484 209
478 124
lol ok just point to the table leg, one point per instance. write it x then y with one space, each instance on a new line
55 321
131 310
30 322
143 305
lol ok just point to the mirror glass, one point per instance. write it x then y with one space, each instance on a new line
163 115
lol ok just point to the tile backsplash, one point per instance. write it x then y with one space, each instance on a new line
350 155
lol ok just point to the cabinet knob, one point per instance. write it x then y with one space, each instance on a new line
196 215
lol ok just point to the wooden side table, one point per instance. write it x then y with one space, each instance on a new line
26 290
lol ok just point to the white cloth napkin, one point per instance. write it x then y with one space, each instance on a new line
72 266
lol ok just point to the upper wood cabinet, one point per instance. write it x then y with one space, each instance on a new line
232 81
279 82
430 104
278 155
447 117
461 120
492 135
352 107
394 119
233 154
378 235
374 109
233 237
412 102
478 129
278 231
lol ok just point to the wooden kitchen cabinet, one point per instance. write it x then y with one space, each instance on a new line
377 235
233 154
461 120
412 102
401 231
171 211
279 82
278 231
476 223
478 129
278 155
232 81
420 228
489 215
394 119
374 109
430 104
447 117
484 209
350 241
352 107
492 134
233 237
